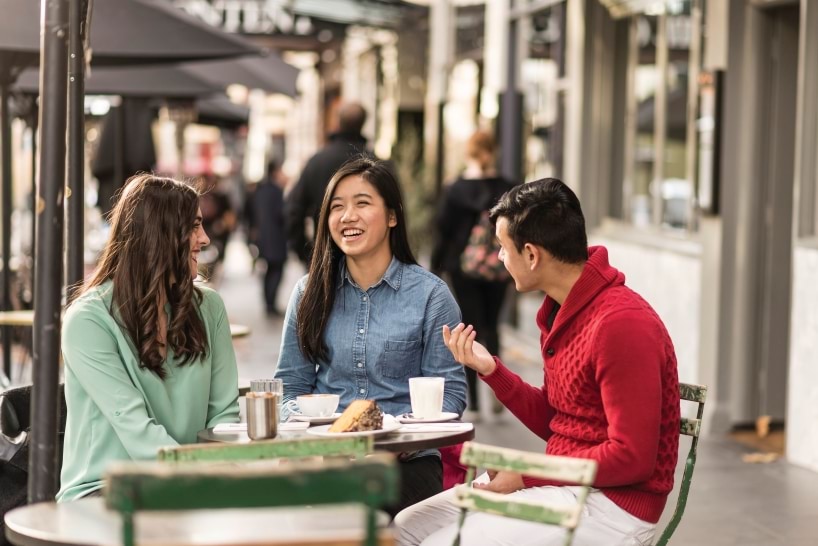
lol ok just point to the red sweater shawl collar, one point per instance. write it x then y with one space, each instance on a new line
597 275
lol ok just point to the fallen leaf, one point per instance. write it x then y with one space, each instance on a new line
760 458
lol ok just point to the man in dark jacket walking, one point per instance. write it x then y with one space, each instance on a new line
304 201
267 215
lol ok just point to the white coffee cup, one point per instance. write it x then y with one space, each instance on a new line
426 394
317 405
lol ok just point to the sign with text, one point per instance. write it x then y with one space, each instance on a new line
250 16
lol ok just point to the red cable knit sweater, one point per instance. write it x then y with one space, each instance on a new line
611 390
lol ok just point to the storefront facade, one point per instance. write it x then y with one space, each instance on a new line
690 131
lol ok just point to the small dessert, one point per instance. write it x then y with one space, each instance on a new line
359 416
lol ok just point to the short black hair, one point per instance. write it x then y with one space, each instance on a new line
351 117
548 214
272 167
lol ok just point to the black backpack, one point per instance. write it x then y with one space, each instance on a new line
15 428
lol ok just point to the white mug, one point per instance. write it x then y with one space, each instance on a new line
426 394
314 405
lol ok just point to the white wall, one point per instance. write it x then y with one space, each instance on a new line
670 281
802 401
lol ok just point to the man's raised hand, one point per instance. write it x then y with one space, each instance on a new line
465 350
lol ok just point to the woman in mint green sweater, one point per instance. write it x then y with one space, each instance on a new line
148 356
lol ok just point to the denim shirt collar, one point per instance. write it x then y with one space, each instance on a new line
392 277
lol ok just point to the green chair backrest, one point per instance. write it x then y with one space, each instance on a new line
688 427
132 487
550 467
355 447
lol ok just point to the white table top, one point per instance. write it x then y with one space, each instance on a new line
239 330
87 522
17 318
26 318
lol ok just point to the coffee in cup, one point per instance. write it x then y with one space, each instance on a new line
426 394
317 405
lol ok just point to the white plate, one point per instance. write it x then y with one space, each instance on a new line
315 420
445 416
390 424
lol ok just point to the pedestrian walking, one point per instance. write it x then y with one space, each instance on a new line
462 226
304 200
270 233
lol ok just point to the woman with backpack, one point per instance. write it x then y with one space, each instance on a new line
466 247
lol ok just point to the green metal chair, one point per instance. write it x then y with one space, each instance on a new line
688 427
157 486
550 467
355 447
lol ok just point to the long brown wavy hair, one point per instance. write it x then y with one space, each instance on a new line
319 295
148 259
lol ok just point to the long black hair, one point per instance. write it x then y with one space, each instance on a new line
319 295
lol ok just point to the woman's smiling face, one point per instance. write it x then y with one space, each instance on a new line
198 239
359 221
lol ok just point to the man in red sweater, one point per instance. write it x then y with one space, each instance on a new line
610 391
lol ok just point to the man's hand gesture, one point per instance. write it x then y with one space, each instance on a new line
468 352
502 482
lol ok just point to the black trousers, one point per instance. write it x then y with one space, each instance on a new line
480 303
420 479
272 279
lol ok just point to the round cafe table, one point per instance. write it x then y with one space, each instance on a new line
396 442
86 522
17 318
239 330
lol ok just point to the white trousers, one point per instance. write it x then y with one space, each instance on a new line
433 522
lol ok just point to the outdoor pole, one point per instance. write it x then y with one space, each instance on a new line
511 130
440 149
76 143
441 50
557 134
42 484
5 160
511 109
32 119
118 119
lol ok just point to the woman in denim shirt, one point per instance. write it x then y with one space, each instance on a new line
367 318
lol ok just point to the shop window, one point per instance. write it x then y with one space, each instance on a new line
659 186
646 81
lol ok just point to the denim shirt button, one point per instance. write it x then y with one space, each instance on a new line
364 298
360 364
361 331
362 391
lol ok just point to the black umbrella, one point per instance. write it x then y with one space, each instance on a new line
122 32
220 112
269 73
166 81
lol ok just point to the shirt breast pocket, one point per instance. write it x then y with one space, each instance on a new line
401 359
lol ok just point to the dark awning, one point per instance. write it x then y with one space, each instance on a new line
124 32
136 81
269 73
220 112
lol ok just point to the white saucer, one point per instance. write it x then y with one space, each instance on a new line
390 424
315 420
445 416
